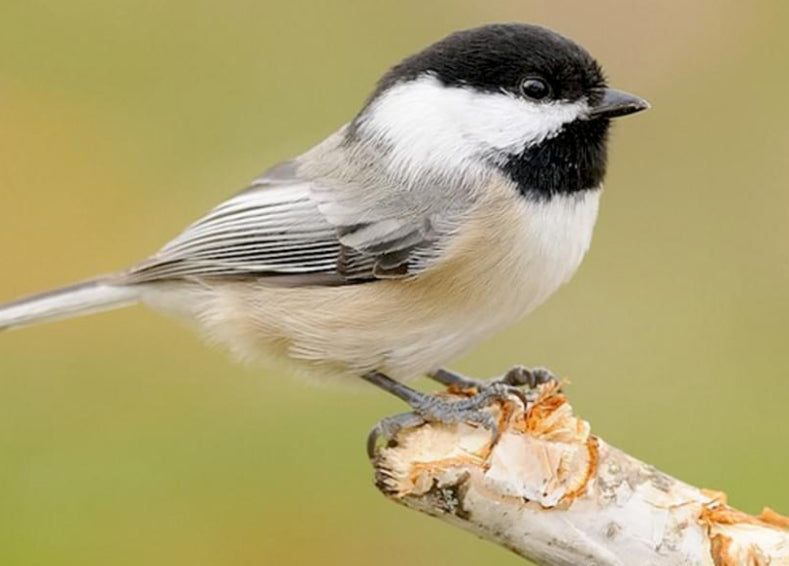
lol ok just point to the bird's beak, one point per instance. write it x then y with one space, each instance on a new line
617 103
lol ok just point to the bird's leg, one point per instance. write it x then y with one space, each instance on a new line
449 378
434 409
517 376
511 382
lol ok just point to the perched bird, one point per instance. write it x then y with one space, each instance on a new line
458 199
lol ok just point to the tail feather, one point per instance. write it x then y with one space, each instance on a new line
83 298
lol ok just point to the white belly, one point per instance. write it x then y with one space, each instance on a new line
511 255
537 248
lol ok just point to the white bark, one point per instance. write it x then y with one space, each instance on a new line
554 493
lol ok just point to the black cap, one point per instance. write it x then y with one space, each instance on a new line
498 57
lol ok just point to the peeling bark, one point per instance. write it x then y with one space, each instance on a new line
552 492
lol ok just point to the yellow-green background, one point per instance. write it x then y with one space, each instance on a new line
125 441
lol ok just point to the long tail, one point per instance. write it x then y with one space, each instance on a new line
83 298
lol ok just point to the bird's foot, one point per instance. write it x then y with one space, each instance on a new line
515 379
532 378
435 409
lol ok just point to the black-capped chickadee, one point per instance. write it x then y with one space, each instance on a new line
459 198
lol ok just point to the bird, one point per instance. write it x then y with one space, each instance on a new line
458 199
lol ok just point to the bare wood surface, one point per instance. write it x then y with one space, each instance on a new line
554 493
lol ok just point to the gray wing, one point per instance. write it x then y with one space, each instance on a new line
297 232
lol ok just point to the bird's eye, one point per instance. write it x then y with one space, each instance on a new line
535 88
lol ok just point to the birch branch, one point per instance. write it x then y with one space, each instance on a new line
554 493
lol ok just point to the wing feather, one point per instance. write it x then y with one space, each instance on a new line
271 230
299 229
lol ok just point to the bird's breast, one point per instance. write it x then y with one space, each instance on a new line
516 252
509 257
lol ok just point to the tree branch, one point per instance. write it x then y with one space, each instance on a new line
554 493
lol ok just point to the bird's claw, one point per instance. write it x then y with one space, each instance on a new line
532 378
387 430
519 381
516 378
434 409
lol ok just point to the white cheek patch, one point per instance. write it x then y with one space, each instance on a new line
431 125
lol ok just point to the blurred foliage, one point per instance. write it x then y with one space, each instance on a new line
124 440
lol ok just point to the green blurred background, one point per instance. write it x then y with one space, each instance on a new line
123 440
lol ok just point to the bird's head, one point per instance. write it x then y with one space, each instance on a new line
516 97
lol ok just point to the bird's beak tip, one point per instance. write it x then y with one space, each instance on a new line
616 103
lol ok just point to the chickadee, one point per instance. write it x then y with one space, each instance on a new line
459 198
